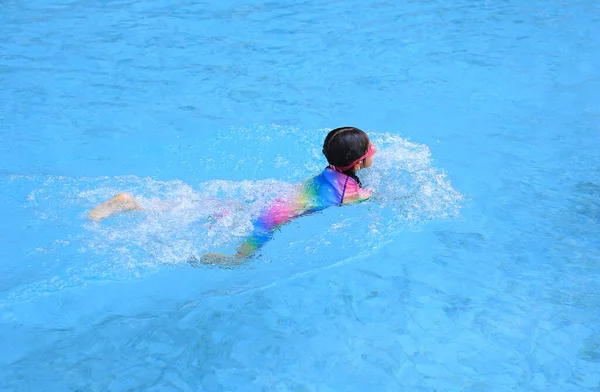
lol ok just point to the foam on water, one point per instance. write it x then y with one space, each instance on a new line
180 220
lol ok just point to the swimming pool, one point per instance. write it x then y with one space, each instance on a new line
486 279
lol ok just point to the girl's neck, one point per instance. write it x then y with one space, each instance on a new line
350 173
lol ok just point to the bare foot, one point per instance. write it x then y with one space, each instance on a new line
120 203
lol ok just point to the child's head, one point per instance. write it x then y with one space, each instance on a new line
348 149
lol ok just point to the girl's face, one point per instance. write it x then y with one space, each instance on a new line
367 162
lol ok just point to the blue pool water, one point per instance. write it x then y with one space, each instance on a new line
476 266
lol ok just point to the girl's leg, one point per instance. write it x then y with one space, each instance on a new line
215 259
120 203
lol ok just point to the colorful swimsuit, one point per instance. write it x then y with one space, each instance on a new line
330 188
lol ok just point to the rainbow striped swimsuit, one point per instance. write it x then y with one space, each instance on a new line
330 188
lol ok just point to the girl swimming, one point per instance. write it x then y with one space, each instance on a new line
347 151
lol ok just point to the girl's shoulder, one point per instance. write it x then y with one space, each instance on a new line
354 192
350 190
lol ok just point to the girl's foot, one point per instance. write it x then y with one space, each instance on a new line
120 203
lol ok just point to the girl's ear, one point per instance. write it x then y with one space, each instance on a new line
358 166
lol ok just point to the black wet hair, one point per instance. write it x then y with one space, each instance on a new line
344 145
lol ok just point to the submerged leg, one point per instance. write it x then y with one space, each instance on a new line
215 259
120 203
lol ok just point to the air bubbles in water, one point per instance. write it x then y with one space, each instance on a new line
180 220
